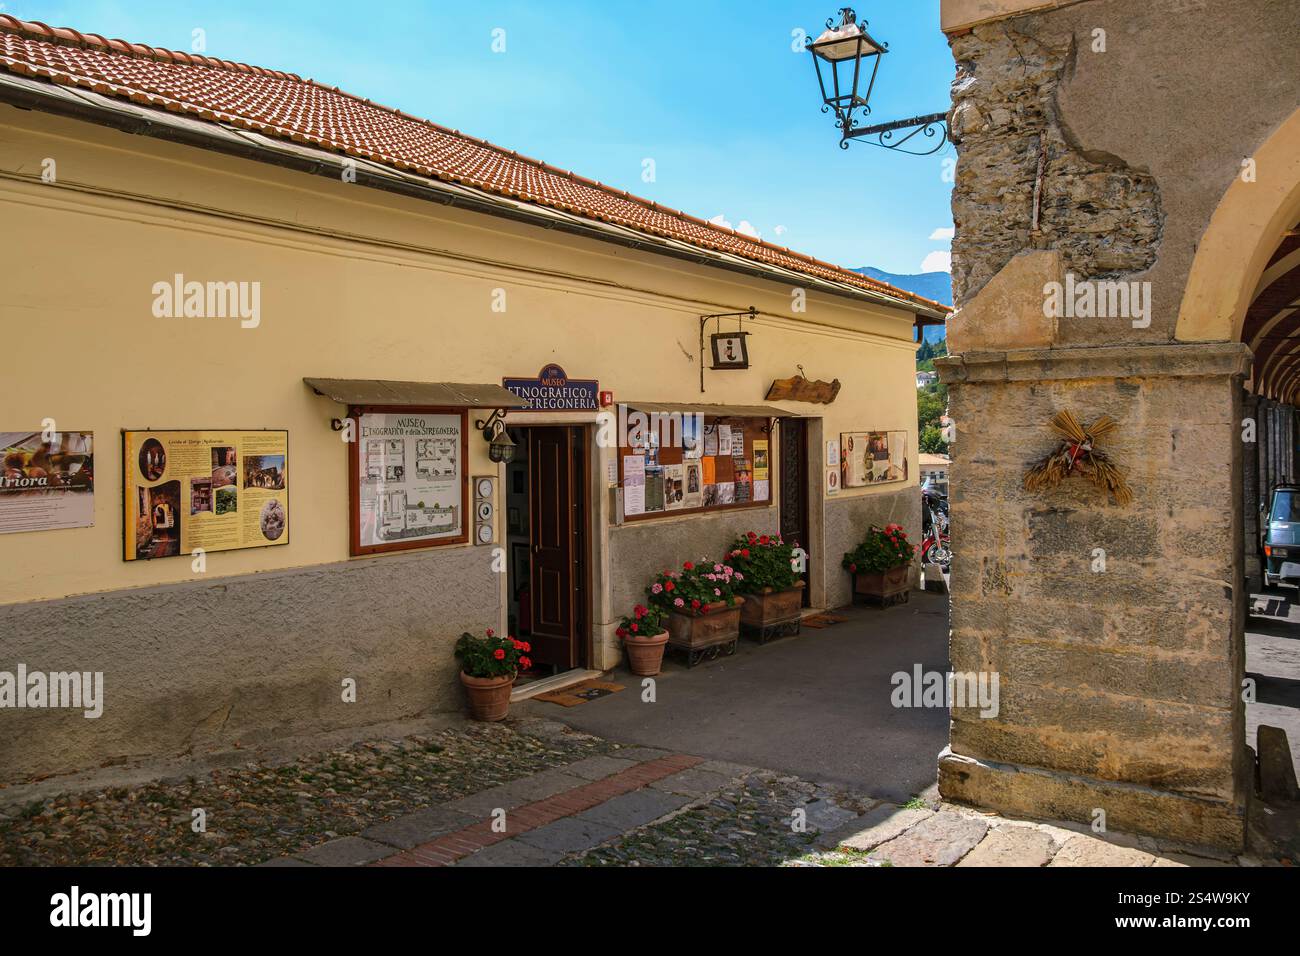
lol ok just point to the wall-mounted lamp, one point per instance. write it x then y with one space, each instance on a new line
501 448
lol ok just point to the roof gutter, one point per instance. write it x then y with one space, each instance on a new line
128 117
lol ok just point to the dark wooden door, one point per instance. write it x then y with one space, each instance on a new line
558 523
793 479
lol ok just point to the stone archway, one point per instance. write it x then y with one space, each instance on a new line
1116 626
1243 233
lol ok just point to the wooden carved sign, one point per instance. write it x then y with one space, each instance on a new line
803 389
1077 454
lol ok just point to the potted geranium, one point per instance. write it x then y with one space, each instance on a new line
703 608
489 665
644 637
773 590
879 565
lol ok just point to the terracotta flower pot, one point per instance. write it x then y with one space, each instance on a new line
700 635
489 697
883 587
645 655
770 613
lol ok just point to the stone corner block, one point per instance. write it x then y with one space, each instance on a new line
1008 312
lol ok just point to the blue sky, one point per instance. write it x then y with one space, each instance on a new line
711 91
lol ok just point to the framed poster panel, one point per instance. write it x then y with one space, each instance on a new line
408 484
47 480
872 458
728 466
215 490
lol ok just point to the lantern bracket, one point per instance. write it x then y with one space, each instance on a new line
848 43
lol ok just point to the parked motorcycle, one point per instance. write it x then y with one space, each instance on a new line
936 546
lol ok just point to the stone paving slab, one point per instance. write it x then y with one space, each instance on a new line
511 853
824 816
1089 851
640 754
598 767
419 827
346 851
941 839
1011 846
635 809
875 827
692 783
1184 859
727 768
570 835
516 793
284 861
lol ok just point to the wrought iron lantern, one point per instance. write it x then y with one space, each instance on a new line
846 58
501 447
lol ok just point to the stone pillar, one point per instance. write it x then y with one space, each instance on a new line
1115 631
1252 566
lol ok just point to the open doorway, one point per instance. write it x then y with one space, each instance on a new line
793 484
547 534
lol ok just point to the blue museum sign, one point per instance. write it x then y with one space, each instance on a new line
553 390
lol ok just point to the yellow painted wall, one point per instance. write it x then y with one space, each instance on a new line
355 283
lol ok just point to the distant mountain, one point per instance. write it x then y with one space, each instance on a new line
932 285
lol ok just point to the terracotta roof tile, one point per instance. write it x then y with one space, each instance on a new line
285 105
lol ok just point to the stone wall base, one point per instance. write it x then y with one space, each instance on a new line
1130 808
211 665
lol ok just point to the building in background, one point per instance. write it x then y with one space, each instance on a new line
302 343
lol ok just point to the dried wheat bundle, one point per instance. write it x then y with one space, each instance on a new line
1078 454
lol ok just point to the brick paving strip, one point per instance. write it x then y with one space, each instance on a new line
450 848
558 811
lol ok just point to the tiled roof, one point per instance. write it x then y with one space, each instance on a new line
285 105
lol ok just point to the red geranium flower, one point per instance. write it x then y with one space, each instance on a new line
669 586
635 628
525 663
499 654
527 647
744 553
621 632
764 540
695 603
491 633
853 568
688 566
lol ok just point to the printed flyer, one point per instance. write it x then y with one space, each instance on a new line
694 497
47 481
674 487
633 484
872 458
410 483
209 490
760 460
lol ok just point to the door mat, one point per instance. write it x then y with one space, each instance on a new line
580 693
822 620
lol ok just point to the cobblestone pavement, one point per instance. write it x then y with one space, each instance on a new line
258 811
751 823
535 793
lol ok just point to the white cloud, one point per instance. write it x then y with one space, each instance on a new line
943 235
938 261
745 228
779 230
